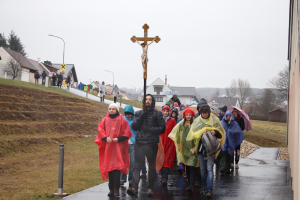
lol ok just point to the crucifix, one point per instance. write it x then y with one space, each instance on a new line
144 56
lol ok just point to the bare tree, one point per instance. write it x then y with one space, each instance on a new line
233 88
281 84
244 91
217 92
227 92
266 101
13 68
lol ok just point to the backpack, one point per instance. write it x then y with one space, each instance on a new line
211 144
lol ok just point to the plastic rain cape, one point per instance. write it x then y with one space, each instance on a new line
200 124
168 144
183 147
234 134
113 155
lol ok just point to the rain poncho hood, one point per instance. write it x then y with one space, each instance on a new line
200 124
201 103
113 155
168 144
234 134
129 108
183 147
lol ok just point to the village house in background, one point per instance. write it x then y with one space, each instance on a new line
277 116
70 69
48 65
95 84
163 92
28 66
225 101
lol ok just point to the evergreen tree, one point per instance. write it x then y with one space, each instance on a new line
3 41
14 43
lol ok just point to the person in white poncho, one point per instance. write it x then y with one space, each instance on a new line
115 92
102 91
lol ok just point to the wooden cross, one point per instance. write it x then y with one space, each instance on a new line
145 39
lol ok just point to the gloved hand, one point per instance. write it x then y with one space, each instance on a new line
144 115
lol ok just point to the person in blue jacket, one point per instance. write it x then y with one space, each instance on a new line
129 112
234 138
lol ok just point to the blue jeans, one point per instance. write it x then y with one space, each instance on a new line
206 170
131 157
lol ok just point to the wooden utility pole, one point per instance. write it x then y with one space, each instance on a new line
145 39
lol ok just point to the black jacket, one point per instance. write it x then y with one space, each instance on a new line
177 100
149 125
241 123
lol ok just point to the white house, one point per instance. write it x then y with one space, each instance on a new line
158 89
28 66
228 101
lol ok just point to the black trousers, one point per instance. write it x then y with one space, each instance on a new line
114 179
191 174
115 99
237 155
140 151
164 174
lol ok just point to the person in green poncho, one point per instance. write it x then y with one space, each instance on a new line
206 122
186 149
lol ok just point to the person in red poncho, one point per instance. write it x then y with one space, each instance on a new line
168 144
112 139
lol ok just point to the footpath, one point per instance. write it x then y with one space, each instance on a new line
93 97
260 177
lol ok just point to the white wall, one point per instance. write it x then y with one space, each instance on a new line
5 58
25 75
157 82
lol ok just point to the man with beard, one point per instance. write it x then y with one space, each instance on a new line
149 124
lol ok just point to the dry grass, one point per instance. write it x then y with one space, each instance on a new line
33 122
267 134
34 175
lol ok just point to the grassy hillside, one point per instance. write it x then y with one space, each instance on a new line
267 134
34 120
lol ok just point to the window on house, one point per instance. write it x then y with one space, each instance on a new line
158 90
158 99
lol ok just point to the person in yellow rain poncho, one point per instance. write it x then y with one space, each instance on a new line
186 149
206 122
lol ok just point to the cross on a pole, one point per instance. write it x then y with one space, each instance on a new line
145 39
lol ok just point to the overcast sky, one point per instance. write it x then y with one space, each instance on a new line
203 43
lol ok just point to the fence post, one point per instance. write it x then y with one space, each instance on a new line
61 172
121 100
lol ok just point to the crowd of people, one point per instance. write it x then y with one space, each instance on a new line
194 141
57 80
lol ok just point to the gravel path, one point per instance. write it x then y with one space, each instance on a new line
247 148
283 154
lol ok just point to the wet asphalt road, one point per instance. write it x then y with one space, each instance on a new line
260 177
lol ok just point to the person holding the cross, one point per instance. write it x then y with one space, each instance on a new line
149 124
